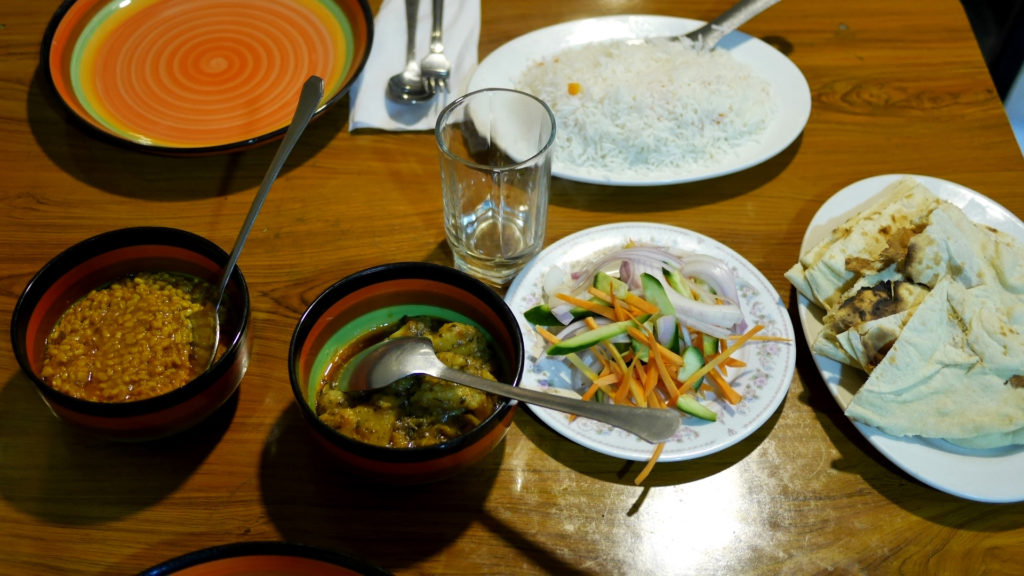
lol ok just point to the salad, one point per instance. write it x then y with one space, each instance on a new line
645 326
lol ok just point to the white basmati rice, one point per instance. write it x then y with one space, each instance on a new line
652 107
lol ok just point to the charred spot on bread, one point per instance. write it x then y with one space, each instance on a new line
878 301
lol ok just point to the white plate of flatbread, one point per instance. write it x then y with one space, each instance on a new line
955 322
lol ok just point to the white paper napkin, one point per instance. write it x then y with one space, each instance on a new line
370 108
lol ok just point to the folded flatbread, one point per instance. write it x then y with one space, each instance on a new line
931 306
955 372
864 325
868 243
953 246
867 343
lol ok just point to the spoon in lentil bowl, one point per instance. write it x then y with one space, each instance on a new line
207 334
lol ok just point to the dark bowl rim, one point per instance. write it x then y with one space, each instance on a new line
95 245
398 271
263 548
103 135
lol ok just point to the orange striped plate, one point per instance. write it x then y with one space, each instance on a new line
201 76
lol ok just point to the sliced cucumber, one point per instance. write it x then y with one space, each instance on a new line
676 282
591 337
541 315
693 360
667 331
687 403
608 283
655 294
710 345
641 350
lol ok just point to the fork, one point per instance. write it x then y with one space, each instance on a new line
435 66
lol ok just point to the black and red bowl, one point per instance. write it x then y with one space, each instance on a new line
267 559
99 260
383 295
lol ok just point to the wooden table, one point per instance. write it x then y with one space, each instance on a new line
898 87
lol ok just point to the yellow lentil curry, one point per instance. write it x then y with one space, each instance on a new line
129 340
418 410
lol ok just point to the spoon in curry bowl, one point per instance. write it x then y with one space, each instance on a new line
207 335
391 360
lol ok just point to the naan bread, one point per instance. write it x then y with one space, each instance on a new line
868 243
951 245
841 337
867 343
944 354
954 372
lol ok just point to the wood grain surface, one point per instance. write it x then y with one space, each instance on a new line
898 86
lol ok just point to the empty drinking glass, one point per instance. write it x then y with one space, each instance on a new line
495 149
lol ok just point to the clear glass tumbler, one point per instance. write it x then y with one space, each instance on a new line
495 147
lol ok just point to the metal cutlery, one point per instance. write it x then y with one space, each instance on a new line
739 14
435 66
408 86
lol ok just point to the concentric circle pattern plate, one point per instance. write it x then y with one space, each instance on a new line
763 383
982 475
194 76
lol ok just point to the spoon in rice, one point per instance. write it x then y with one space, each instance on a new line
206 335
708 35
393 359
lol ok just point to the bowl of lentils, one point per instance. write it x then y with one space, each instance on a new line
115 332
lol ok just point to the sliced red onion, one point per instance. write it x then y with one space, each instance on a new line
576 327
687 338
718 320
562 313
555 280
714 272
665 329
648 256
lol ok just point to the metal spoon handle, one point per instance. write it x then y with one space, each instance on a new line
309 101
736 16
650 424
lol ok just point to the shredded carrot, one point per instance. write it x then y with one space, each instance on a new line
598 309
650 464
547 335
725 390
734 362
669 355
721 357
637 305
643 305
666 379
652 381
624 387
651 377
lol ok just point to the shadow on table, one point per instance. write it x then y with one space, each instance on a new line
65 476
860 457
313 499
97 161
639 199
619 471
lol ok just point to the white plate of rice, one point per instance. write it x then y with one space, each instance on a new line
630 124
